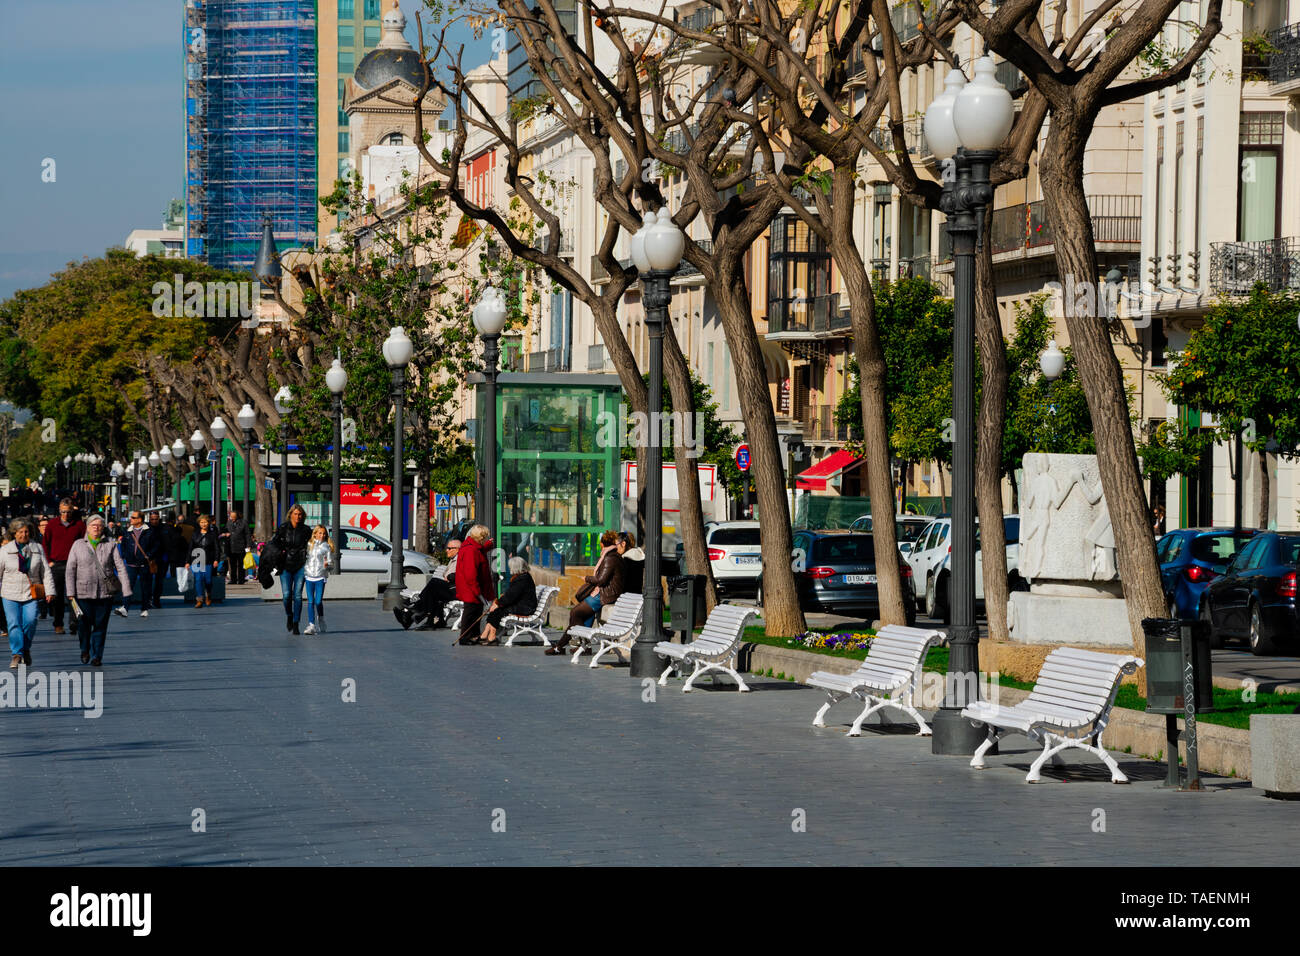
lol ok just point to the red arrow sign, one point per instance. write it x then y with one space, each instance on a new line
355 495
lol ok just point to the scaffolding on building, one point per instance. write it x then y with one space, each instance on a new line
251 116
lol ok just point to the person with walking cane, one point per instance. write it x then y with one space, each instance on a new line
474 584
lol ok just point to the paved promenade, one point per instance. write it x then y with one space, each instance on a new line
220 711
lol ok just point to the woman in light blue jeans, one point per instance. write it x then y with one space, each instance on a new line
22 565
314 571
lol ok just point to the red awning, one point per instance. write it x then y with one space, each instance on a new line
815 478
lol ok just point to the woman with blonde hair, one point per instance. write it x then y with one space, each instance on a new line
292 539
319 551
25 581
474 584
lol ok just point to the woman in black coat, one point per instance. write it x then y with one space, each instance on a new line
519 599
206 541
291 540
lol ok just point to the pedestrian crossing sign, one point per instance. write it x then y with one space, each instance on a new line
441 502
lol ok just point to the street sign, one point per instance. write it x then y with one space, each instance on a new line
742 457
270 484
379 496
441 502
213 455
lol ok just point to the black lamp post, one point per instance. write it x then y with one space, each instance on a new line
155 460
178 456
656 252
218 429
197 444
247 419
283 405
490 318
336 379
117 470
965 125
397 353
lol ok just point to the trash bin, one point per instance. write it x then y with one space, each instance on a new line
685 603
1165 663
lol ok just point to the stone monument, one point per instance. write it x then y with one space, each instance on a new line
1067 554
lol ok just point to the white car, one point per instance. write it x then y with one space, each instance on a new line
928 552
366 552
736 556
937 600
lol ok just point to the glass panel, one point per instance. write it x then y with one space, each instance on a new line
372 9
347 34
1217 548
347 10
371 37
846 549
1290 550
355 541
347 62
546 491
561 420
725 536
1257 216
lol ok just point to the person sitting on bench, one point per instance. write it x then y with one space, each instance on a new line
431 604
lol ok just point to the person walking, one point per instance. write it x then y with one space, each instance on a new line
292 538
603 587
236 535
159 527
140 552
95 575
26 581
60 535
519 599
474 585
319 550
206 541
178 554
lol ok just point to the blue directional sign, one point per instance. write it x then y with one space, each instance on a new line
742 457
213 455
441 502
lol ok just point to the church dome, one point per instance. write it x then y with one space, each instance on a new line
393 59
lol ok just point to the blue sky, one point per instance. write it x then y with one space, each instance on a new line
95 85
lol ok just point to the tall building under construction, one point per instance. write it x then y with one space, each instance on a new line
251 126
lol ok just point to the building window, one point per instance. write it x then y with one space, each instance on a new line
1158 250
1259 187
345 141
372 9
347 10
347 35
371 37
799 278
394 139
347 61
1200 151
343 118
1178 202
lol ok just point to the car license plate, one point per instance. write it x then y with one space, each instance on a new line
748 558
859 579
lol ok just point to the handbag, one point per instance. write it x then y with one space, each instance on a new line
112 583
583 593
38 587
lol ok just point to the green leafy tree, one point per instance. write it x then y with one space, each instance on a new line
1042 415
1243 366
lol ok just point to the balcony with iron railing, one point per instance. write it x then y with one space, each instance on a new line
818 423
688 269
1235 267
1283 59
597 358
815 317
548 360
1023 230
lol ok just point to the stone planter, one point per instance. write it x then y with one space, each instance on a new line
1275 754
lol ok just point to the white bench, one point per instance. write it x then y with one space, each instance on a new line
616 634
453 611
889 677
1070 704
533 623
715 649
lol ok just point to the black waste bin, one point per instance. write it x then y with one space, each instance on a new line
1166 662
685 603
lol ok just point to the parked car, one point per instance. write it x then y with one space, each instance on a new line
1190 558
938 592
836 574
735 554
907 528
1254 599
367 552
926 554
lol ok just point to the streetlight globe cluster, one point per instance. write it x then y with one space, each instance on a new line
397 348
490 313
977 115
1052 361
658 245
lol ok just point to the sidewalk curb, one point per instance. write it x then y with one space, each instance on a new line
1222 750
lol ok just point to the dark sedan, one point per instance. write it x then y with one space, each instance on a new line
1254 599
1190 558
835 572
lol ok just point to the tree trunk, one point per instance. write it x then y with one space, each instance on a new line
871 382
782 616
690 513
420 533
1263 490
989 425
1061 169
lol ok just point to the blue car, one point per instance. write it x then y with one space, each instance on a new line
1190 558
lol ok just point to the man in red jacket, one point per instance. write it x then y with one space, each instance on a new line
59 536
474 581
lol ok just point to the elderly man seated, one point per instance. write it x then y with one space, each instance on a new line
431 604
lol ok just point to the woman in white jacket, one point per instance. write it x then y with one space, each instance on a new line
22 568
316 568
